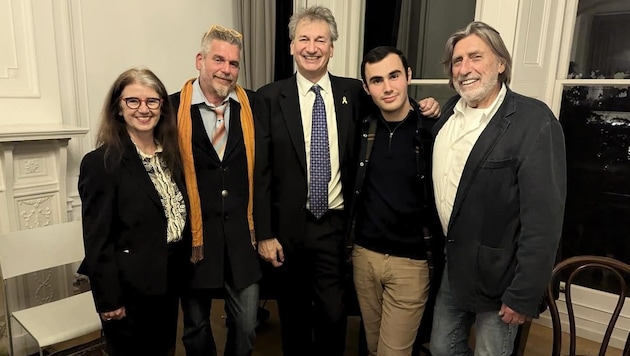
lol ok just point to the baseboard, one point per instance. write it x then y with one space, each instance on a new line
592 309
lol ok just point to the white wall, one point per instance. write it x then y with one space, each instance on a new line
160 34
106 37
59 58
115 35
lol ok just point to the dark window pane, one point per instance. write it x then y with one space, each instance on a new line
418 28
601 45
596 122
441 93
424 28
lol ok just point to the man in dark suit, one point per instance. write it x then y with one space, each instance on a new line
224 147
313 164
499 176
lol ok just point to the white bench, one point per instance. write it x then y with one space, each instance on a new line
27 251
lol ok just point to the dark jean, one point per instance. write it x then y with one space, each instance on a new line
451 328
241 307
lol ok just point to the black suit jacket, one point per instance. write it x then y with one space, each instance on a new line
124 228
229 254
288 153
509 207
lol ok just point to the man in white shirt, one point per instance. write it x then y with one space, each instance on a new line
499 174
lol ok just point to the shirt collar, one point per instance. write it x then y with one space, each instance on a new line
461 105
158 149
305 85
199 98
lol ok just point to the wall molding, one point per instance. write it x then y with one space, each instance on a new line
19 76
71 63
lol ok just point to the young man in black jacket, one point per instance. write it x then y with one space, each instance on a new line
393 208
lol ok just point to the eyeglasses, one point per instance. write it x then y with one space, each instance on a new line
222 30
134 103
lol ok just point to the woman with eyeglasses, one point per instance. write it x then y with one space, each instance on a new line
134 218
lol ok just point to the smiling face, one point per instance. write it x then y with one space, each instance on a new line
218 70
312 48
140 122
475 71
386 83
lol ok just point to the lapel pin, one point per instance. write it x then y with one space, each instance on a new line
344 100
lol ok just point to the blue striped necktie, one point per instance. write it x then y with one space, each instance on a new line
320 158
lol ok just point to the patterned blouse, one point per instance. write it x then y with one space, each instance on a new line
170 195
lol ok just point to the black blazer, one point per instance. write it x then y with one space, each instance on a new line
224 193
509 207
124 228
288 153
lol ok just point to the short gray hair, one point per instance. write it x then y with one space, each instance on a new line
216 32
487 34
314 13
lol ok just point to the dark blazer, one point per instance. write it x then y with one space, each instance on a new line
508 211
288 153
124 228
224 193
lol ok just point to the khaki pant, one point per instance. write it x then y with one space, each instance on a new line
392 293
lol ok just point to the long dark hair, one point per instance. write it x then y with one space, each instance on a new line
113 129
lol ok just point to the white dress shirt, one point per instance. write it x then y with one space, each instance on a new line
206 109
307 99
452 147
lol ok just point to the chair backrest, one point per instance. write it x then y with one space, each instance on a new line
570 268
32 250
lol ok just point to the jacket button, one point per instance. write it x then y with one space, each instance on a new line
225 217
364 135
224 193
361 164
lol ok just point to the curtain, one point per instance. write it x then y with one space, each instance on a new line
411 33
283 67
610 44
256 20
381 23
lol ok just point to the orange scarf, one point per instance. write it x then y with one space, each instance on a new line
184 128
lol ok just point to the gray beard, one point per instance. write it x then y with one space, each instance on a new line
223 91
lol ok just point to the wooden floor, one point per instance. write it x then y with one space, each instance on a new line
268 337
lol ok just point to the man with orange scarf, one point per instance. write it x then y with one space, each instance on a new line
224 146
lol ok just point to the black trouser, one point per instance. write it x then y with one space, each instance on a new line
311 299
150 325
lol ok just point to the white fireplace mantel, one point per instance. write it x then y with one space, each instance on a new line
20 133
33 169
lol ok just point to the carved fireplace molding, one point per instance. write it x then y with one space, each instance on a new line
33 193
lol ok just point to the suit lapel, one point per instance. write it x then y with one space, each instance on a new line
482 148
200 137
290 106
132 163
343 112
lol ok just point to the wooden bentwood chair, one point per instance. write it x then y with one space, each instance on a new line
572 267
